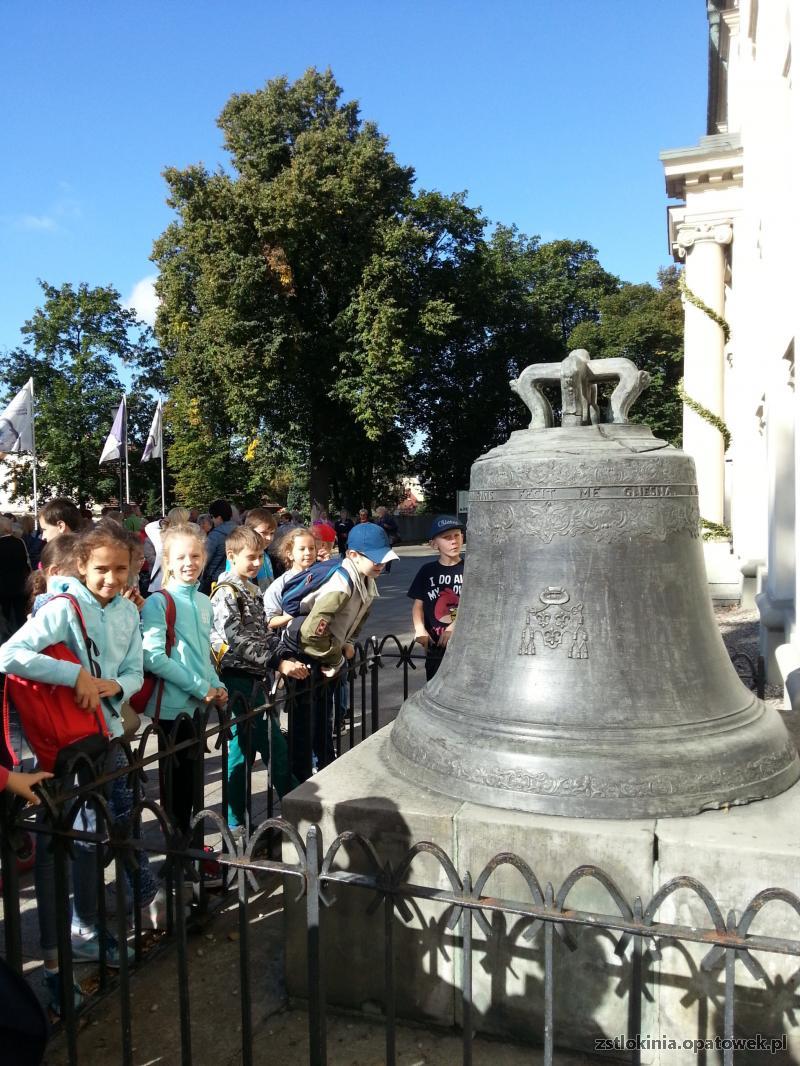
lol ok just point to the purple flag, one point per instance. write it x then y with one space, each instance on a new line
114 441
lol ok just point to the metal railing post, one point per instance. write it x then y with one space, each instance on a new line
316 978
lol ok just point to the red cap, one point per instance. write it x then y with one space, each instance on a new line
324 531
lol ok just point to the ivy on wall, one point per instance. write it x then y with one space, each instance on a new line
712 530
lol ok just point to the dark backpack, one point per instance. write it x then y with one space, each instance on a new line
307 581
140 700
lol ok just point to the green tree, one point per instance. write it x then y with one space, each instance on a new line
317 314
260 275
567 285
71 347
644 323
513 301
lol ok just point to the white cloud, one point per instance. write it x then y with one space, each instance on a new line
143 299
36 222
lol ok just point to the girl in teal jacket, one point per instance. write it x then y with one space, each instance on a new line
187 675
102 560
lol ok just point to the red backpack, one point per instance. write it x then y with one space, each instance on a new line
141 699
49 715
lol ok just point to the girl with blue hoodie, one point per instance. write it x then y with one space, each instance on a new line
101 559
188 677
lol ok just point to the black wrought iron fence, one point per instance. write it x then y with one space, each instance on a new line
323 718
751 670
242 859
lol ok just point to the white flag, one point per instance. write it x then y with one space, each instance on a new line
152 449
16 422
114 441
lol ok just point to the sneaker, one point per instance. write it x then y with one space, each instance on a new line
52 985
86 948
154 914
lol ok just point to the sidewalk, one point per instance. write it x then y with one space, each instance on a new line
280 1034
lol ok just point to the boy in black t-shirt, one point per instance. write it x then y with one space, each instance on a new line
436 591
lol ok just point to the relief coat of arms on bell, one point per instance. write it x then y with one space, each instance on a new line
586 676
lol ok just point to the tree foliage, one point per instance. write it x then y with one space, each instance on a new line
71 348
644 323
319 315
261 277
513 297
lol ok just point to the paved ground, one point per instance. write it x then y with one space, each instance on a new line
280 1035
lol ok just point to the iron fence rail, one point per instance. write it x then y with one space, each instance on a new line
728 938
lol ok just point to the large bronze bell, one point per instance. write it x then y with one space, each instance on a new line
586 675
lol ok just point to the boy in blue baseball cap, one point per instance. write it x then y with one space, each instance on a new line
436 591
336 611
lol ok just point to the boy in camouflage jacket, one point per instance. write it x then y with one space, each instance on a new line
246 652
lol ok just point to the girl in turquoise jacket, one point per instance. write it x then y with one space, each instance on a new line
102 560
187 675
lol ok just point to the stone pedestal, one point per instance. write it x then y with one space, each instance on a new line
723 570
775 617
735 853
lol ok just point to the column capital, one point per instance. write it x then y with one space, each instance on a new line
689 233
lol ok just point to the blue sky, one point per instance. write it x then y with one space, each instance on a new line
550 113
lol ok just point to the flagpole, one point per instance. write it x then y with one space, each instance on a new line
33 453
125 446
161 449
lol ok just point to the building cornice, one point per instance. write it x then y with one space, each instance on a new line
717 160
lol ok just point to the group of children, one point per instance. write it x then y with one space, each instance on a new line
201 649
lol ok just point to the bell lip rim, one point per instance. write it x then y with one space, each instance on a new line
616 809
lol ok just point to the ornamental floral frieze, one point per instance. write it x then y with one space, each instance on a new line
602 521
565 472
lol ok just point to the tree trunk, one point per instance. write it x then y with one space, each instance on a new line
319 486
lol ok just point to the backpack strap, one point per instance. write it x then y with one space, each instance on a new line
91 647
169 617
169 644
343 570
8 757
237 594
91 650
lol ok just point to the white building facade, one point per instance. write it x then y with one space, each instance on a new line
735 230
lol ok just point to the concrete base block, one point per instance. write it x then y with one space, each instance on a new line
749 592
590 983
751 582
723 570
734 853
776 616
360 793
787 657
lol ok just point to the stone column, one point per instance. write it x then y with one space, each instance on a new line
776 604
702 244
